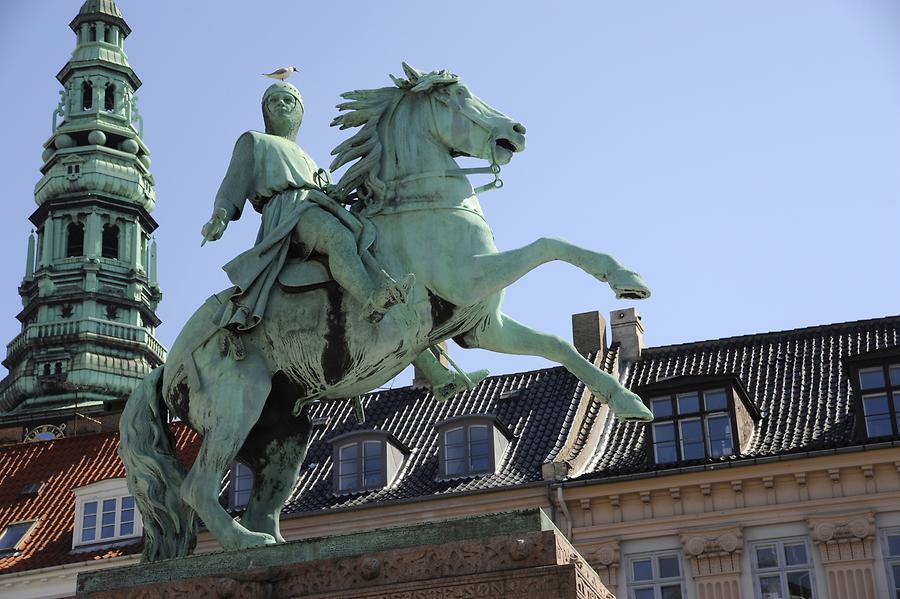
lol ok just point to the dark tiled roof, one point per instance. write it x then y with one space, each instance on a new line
62 465
796 378
538 417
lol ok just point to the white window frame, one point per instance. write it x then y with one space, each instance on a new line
114 488
782 569
655 582
890 560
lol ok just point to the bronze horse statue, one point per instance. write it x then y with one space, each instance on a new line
244 392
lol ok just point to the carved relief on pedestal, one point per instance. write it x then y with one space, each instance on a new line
715 559
845 544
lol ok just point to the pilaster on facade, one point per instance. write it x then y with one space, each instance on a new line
715 561
845 542
605 560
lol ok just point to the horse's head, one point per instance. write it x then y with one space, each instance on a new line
463 122
414 130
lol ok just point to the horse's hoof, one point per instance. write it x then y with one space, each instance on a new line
256 539
445 392
628 407
627 284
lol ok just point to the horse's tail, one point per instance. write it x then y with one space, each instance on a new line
154 473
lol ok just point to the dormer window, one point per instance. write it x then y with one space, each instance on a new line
365 460
880 390
698 418
105 512
471 445
691 426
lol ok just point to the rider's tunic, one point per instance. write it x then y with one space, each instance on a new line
271 172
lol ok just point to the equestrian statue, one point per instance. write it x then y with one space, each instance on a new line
332 302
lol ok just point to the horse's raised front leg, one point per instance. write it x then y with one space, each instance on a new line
238 390
505 335
487 274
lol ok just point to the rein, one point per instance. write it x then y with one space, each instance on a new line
493 169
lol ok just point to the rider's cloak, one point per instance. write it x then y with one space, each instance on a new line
271 172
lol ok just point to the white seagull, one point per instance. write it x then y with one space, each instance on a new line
282 73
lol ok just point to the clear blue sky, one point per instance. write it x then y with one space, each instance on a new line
743 156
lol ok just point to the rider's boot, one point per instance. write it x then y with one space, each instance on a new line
458 383
444 382
389 294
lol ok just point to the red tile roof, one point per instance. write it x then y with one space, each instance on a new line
62 465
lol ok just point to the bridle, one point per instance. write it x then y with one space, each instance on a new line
493 169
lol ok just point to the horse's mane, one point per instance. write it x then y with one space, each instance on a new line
366 109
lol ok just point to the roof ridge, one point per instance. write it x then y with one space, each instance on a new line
774 334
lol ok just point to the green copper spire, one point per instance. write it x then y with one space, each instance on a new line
89 289
96 139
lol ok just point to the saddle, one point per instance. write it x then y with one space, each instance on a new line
298 275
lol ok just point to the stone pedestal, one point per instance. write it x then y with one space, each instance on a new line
514 555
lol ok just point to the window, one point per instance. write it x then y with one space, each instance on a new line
87 95
892 560
107 519
74 240
782 570
361 466
14 535
105 512
241 486
880 390
692 426
110 242
471 445
467 450
365 460
109 97
655 577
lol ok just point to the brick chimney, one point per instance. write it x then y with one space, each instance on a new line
589 333
628 332
419 379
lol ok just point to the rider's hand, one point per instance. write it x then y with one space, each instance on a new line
216 225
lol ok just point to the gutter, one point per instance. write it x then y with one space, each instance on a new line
565 510
49 570
730 464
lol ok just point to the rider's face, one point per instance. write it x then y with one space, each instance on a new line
284 111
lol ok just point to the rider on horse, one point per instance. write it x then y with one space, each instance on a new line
272 172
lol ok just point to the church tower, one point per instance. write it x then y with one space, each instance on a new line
89 291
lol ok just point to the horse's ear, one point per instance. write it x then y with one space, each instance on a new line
411 73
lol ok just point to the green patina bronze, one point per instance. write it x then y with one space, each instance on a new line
332 303
89 292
